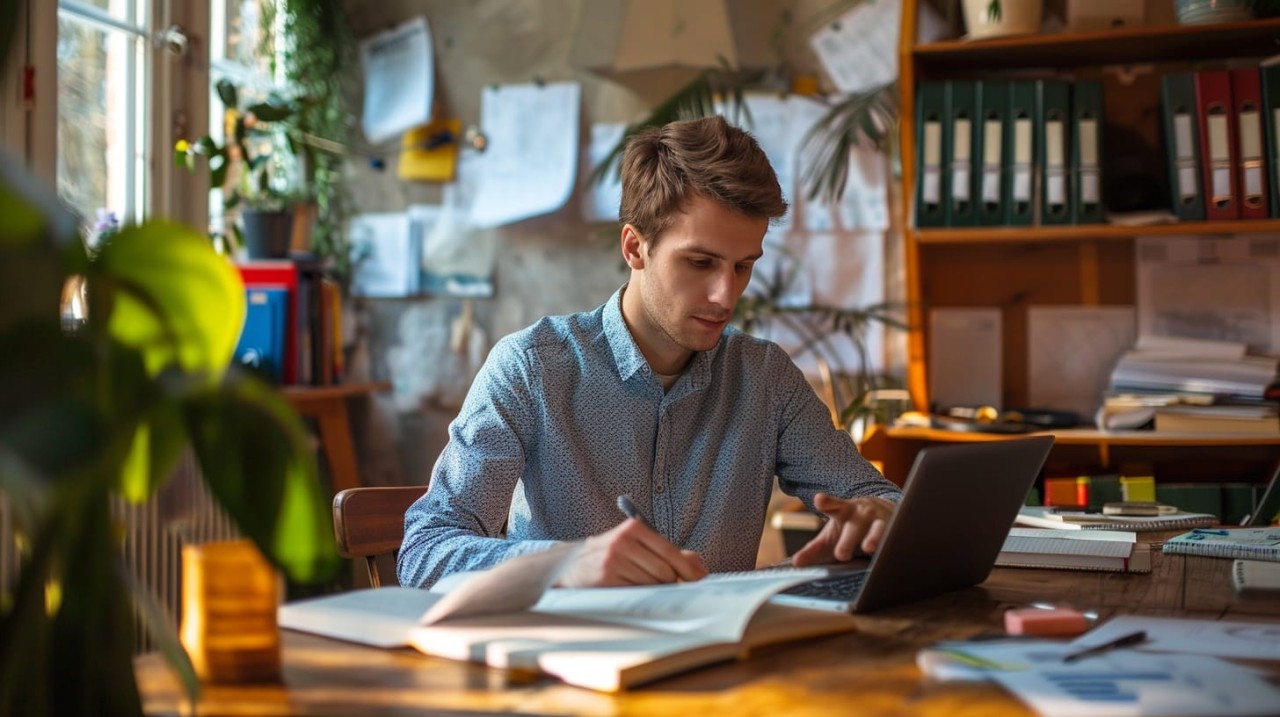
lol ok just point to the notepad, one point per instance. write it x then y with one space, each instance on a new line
1244 543
1103 550
1255 576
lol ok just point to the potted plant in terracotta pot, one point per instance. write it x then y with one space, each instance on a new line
253 168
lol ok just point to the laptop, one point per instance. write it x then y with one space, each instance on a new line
957 506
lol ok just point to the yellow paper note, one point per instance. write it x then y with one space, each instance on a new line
430 152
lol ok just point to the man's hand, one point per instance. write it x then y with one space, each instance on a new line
853 524
631 554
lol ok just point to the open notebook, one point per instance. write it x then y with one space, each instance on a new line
601 638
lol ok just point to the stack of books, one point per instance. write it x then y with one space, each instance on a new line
1115 551
1191 386
1053 519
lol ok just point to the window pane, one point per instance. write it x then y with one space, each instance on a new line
125 10
249 34
95 90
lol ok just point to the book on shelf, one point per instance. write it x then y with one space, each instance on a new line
1055 519
1103 550
599 638
1252 420
1248 576
1241 543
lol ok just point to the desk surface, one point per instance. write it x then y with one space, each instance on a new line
869 672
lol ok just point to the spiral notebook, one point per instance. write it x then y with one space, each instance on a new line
1243 543
1038 517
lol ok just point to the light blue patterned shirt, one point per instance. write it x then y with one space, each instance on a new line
567 415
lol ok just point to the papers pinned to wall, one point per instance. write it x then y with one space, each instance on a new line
600 200
387 247
531 156
399 80
859 50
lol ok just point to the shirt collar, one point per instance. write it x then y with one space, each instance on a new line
627 354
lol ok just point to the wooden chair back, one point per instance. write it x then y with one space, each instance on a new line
369 522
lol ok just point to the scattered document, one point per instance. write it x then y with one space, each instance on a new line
530 160
600 200
859 51
1071 350
399 78
1117 683
1222 638
1222 289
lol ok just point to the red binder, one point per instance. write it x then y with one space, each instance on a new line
280 274
1219 152
1246 96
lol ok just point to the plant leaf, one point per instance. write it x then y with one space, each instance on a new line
228 94
172 297
161 630
268 112
258 463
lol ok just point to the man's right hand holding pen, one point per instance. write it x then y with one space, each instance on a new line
631 554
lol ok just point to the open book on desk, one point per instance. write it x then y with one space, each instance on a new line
600 638
1038 517
1104 550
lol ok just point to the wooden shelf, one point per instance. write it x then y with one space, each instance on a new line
979 235
1161 43
1093 437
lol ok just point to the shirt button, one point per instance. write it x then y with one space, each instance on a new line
658 488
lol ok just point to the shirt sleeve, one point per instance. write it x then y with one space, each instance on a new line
458 523
813 455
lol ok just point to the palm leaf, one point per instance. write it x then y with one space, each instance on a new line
705 95
868 117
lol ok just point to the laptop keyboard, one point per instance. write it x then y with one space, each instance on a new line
840 587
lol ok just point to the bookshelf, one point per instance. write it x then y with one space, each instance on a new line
1013 268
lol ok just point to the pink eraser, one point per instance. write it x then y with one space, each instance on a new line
1034 621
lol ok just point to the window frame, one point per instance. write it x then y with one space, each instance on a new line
176 104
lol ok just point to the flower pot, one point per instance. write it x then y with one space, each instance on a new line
267 234
998 18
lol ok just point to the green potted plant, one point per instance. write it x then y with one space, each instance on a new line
252 168
106 407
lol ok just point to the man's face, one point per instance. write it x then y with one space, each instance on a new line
684 288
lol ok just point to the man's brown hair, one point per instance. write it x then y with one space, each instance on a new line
664 167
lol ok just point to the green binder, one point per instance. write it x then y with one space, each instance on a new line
933 145
1271 105
962 108
1182 145
989 152
1053 124
1086 152
1019 155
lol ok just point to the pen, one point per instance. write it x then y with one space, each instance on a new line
1132 638
1202 531
630 510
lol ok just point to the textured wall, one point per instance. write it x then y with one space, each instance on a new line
547 265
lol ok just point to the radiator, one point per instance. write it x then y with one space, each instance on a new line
153 535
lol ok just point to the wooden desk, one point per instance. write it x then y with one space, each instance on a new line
328 406
869 672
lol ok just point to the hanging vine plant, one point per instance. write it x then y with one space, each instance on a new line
317 60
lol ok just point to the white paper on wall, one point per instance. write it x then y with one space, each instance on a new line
600 199
531 155
1071 351
399 80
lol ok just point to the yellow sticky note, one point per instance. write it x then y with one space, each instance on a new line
430 152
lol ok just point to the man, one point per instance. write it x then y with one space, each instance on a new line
654 396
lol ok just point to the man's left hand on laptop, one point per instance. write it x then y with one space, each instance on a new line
853 526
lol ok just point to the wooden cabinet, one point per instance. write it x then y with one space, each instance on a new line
1014 268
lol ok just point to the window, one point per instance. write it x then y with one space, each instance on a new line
104 74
